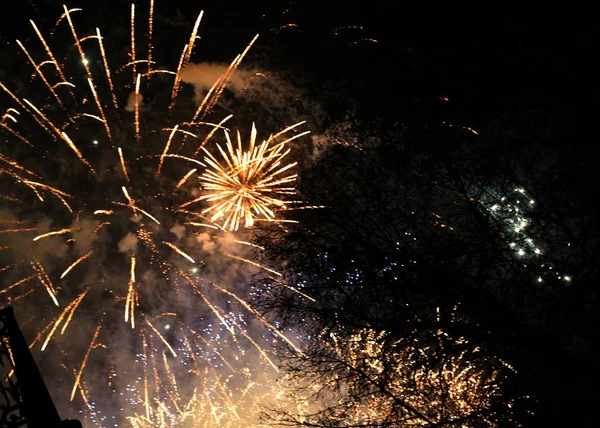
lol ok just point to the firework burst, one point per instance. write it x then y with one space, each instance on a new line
389 382
99 173
246 184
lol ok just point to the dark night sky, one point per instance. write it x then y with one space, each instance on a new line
494 59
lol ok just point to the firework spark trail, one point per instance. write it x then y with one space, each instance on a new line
53 233
214 93
289 287
258 265
100 109
45 280
211 133
19 282
130 302
123 167
68 312
252 341
132 57
41 74
52 57
24 107
161 337
137 108
185 178
191 282
259 316
75 263
178 251
26 229
162 157
16 134
84 362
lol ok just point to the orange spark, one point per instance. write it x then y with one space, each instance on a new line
87 354
79 260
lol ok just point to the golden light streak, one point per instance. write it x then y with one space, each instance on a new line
160 72
132 54
100 225
130 303
73 309
206 99
26 229
18 101
17 166
228 75
69 84
131 201
215 91
51 189
164 153
41 74
45 280
193 223
21 281
77 152
208 303
84 61
79 260
193 38
56 232
137 106
144 347
191 202
185 178
107 212
185 158
123 167
211 133
295 290
136 208
100 109
52 58
147 214
256 345
36 192
87 354
93 116
175 90
51 125
252 263
69 310
150 30
161 337
250 244
183 131
177 250
259 316
16 134
107 68
9 115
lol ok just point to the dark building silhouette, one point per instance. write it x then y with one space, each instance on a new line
26 401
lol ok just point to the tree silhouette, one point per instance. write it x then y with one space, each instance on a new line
436 285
